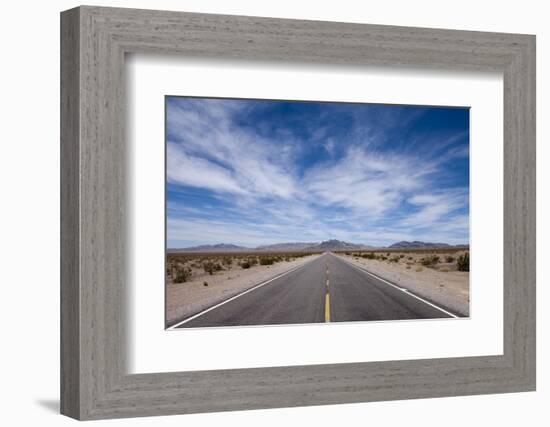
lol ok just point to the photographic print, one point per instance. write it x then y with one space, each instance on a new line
300 212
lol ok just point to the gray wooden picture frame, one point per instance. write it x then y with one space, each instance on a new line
94 381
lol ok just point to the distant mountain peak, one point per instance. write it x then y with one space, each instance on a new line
337 245
287 246
218 247
334 242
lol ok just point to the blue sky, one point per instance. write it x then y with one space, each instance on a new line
254 172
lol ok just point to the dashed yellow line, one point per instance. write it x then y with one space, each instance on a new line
327 299
327 307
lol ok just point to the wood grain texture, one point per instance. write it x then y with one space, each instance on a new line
70 220
94 235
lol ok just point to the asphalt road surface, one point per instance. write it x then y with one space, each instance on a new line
326 289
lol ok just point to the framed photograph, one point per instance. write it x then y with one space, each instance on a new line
263 213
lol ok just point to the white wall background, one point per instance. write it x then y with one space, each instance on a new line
29 224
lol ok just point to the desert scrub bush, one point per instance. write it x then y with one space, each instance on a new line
252 261
394 258
401 256
210 266
463 262
266 260
369 255
449 258
181 274
245 264
227 261
418 269
429 260
170 266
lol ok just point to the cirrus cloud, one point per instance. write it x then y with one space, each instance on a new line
260 172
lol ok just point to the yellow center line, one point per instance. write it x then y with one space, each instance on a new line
327 296
327 301
327 308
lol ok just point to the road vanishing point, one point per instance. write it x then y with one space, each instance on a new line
325 289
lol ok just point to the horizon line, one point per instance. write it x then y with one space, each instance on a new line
316 243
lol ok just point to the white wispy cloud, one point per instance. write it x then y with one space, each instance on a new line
198 172
367 182
434 207
227 153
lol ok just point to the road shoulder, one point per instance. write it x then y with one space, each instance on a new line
448 289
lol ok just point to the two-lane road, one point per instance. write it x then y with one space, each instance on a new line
326 289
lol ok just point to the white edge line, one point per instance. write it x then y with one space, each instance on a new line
238 295
401 289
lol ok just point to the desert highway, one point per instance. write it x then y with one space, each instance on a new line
325 289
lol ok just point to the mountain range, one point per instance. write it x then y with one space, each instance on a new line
328 245
423 245
416 244
220 247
